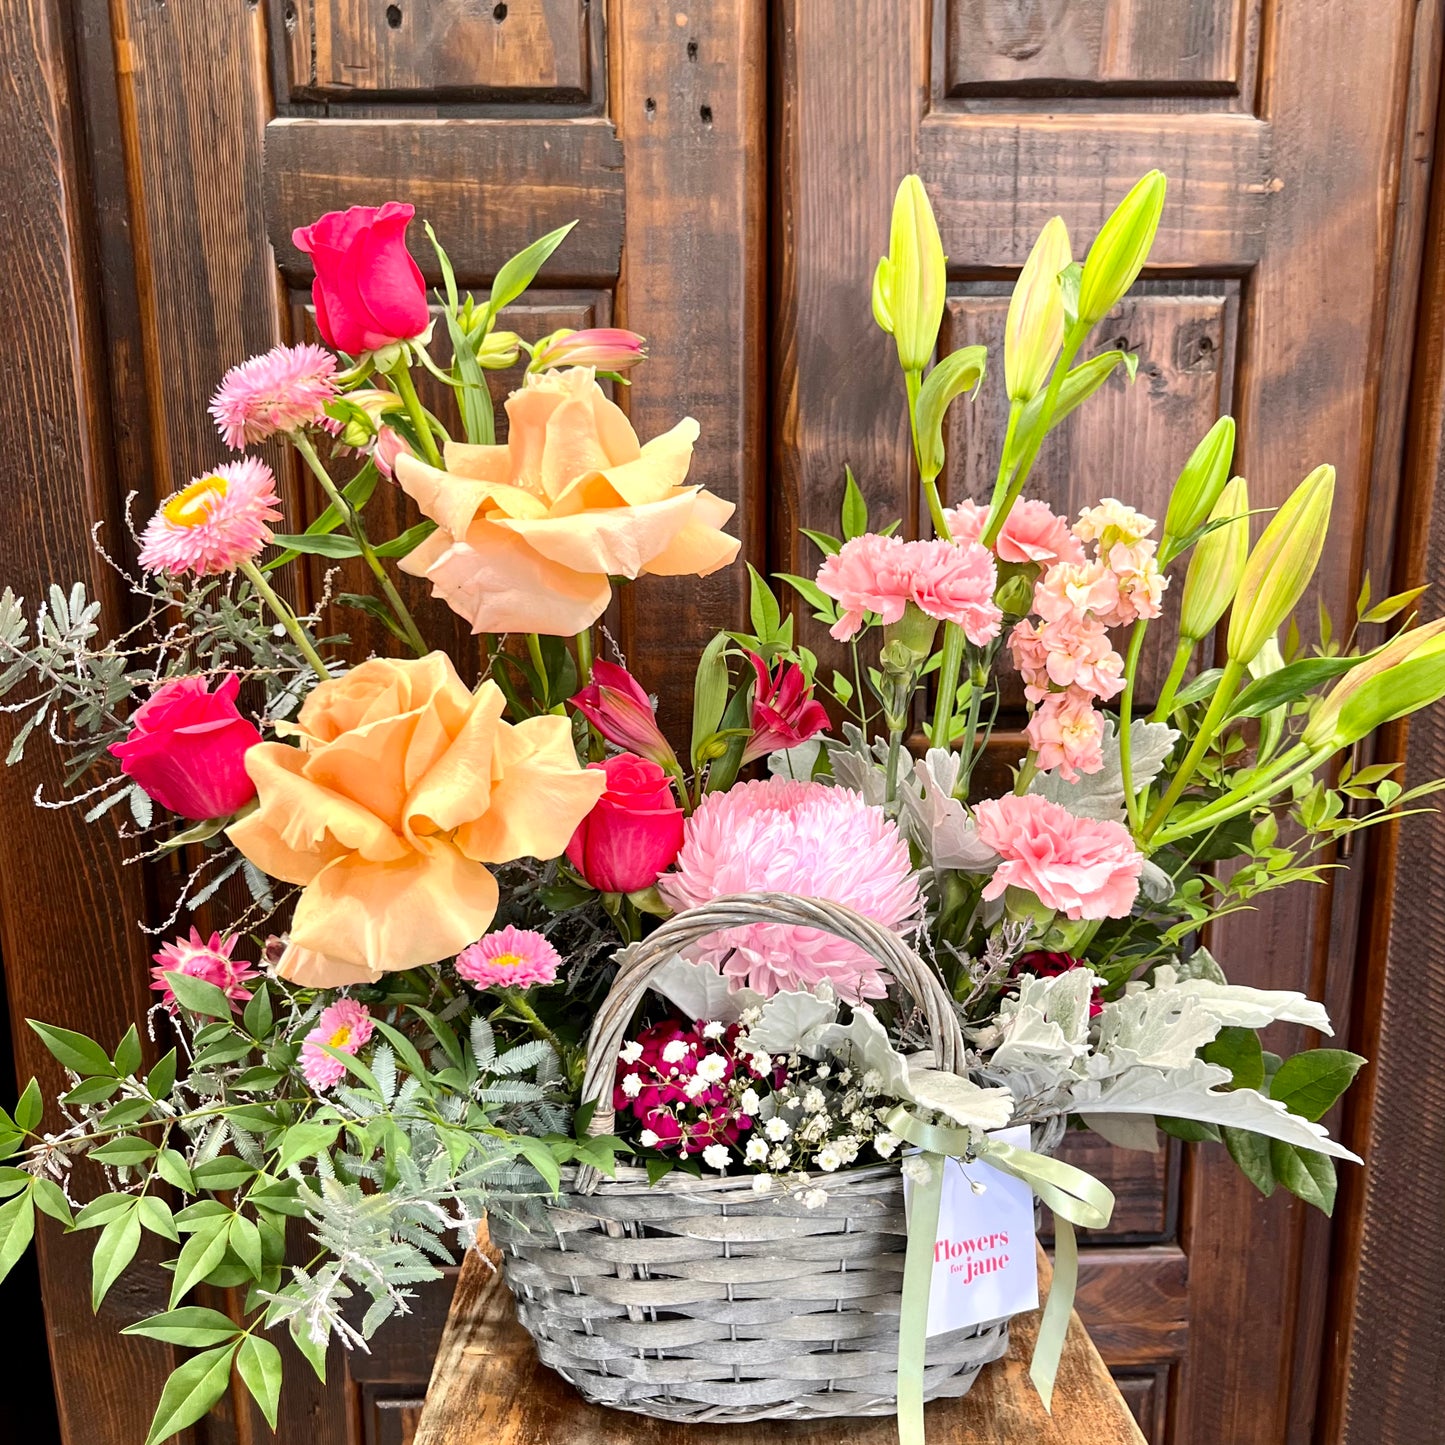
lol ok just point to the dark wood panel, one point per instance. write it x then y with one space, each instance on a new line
1146 1392
1144 1184
1134 1301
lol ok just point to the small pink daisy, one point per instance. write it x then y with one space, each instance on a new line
283 390
510 958
345 1026
209 960
214 524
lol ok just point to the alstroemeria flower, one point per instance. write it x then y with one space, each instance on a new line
784 710
608 348
404 784
529 534
618 706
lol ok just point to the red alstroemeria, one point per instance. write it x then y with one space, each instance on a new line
1050 965
608 348
785 712
618 706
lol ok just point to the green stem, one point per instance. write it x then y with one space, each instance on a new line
1223 696
1286 771
286 617
1182 653
1000 481
948 673
969 753
1126 720
530 1017
343 505
584 657
1027 773
406 390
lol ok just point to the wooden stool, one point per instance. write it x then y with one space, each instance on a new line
488 1388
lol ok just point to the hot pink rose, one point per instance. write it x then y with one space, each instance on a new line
634 830
186 748
368 291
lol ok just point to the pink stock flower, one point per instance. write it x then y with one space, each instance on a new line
868 574
809 839
784 710
282 390
1070 589
1139 582
633 831
1032 533
214 524
509 958
955 584
618 706
1072 652
345 1026
209 960
186 748
1110 522
608 348
1081 867
1067 732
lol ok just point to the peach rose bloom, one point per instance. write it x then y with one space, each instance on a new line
402 786
529 533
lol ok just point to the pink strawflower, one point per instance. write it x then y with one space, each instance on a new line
345 1026
868 574
509 958
954 583
214 524
1082 867
1067 732
282 390
1032 533
207 959
809 839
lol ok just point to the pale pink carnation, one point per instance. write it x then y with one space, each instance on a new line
1031 533
285 389
207 959
1067 732
345 1026
1081 867
1111 521
214 524
807 839
868 574
955 583
510 958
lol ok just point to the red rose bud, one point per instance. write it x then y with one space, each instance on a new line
368 292
633 832
608 348
784 712
187 748
618 706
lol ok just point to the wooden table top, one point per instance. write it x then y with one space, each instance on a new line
488 1388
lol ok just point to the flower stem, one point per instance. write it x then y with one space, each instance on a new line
948 672
531 1018
1126 720
286 617
584 657
1223 696
1165 705
406 390
1027 773
343 505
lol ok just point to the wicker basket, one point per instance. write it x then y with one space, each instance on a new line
700 1300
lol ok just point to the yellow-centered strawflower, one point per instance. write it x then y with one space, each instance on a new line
1121 248
1218 563
1034 330
909 285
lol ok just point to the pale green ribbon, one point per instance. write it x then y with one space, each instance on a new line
1073 1196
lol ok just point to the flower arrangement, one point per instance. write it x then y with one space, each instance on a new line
451 861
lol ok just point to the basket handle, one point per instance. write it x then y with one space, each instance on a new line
641 960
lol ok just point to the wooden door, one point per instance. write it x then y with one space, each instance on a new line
1281 289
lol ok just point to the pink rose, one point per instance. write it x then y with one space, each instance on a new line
634 830
186 748
368 291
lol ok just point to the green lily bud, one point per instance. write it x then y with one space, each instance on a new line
1200 483
1218 563
1281 565
1034 330
1121 248
882 295
1407 687
913 285
500 350
1361 680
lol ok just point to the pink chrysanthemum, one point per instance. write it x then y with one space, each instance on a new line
345 1026
509 958
1030 534
214 524
1082 867
808 839
283 390
206 959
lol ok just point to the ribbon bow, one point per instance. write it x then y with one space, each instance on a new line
1073 1196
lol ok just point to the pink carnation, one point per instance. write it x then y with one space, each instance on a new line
345 1026
869 574
808 839
1067 732
509 958
283 390
214 524
209 961
1081 867
1032 533
955 583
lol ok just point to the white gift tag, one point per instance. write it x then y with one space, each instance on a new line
984 1262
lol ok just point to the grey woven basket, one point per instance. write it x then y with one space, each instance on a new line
700 1300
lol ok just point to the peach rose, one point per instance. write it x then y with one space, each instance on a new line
402 786
529 533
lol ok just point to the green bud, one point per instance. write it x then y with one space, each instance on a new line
908 642
1015 595
1034 330
882 290
1407 687
1121 248
1199 484
913 286
1414 643
501 349
1218 563
1281 565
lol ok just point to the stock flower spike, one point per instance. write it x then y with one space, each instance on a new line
282 390
215 524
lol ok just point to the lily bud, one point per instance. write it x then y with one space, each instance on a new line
1034 330
1218 563
1200 483
1121 248
1404 647
608 348
882 299
1281 565
1409 686
500 350
915 278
